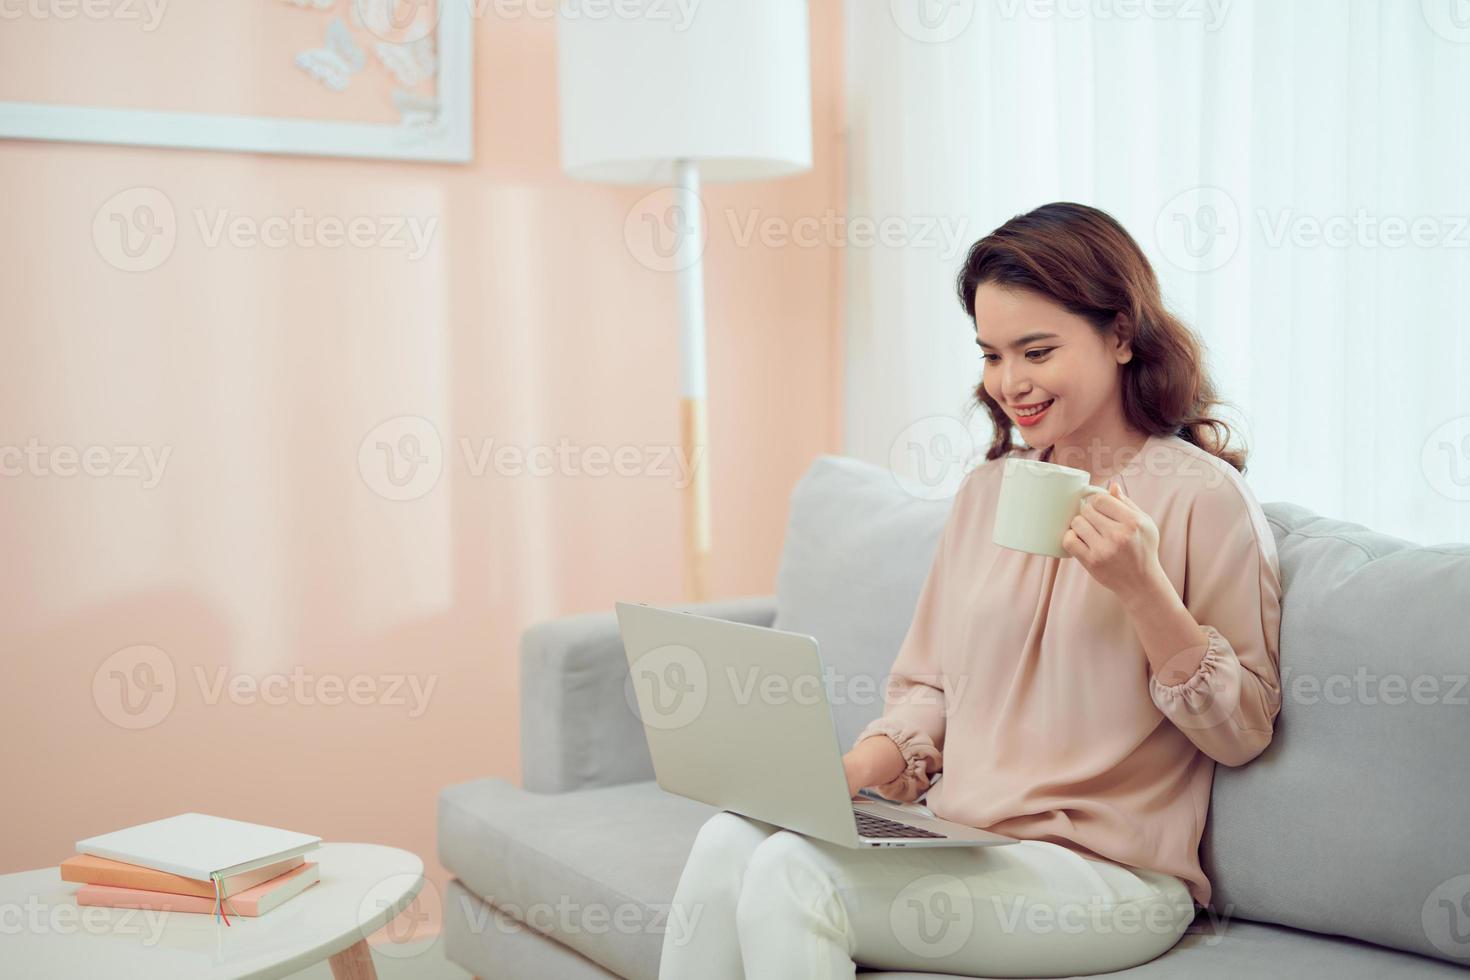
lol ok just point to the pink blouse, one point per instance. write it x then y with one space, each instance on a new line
1023 678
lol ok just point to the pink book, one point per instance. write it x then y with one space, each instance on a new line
88 869
251 902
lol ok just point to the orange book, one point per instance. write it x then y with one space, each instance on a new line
251 902
89 869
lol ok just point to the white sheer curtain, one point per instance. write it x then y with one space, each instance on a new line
1298 172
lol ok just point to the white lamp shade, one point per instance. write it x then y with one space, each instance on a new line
727 86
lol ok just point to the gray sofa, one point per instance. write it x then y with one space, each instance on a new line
1342 851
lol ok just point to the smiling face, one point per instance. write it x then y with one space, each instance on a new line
1036 351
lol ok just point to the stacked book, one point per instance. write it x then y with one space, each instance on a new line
193 862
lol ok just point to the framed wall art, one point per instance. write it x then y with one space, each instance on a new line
389 79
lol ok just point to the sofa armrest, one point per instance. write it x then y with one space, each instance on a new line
577 728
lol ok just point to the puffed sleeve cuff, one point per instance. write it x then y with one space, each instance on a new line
1212 706
1197 689
922 759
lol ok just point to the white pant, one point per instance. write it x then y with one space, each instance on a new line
758 901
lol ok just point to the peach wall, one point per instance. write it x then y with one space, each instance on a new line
263 549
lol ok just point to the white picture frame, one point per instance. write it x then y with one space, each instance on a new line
448 139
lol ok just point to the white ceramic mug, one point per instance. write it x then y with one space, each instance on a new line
1037 503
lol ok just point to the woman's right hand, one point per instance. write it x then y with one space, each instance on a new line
874 761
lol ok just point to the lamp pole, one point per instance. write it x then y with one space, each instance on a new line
678 106
693 420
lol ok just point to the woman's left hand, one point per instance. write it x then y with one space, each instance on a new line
1115 541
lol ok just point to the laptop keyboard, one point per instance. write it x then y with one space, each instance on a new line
871 825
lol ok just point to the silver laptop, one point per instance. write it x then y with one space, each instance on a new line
737 717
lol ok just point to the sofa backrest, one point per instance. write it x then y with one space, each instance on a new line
1355 820
856 552
1352 822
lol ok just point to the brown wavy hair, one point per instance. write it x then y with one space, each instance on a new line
1084 260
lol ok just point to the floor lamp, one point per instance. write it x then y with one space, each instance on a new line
652 96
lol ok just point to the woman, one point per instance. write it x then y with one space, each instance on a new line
1077 704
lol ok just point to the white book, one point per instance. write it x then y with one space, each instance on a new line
198 846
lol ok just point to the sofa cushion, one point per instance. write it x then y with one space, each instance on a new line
856 552
596 870
493 945
1353 819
